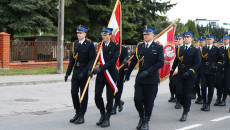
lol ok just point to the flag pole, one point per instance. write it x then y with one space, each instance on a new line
155 38
87 83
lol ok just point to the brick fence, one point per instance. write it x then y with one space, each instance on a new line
4 50
34 65
5 57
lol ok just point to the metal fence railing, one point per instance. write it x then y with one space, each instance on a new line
25 51
40 51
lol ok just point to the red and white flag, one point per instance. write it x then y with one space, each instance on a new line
115 22
167 40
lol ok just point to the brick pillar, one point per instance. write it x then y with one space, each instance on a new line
4 50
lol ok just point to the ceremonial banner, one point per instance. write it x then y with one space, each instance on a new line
115 23
167 40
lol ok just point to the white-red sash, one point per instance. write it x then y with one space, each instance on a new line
106 72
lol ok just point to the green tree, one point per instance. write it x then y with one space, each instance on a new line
96 14
192 27
28 16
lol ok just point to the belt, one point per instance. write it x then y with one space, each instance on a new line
185 65
80 64
209 63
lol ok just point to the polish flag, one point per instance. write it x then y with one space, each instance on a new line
167 40
115 23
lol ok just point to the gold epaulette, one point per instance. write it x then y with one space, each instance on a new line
178 54
220 63
228 52
74 56
157 43
139 60
192 70
201 52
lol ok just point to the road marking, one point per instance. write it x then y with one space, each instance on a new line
221 118
190 127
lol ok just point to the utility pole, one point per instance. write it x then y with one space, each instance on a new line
60 42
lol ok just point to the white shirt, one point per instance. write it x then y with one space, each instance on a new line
187 45
148 44
81 41
209 47
107 44
226 47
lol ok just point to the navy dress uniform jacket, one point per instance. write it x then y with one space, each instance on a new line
150 59
110 55
84 60
210 59
186 60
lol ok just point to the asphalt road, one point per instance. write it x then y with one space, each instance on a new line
164 116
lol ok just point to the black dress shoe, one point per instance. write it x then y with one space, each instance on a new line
193 96
223 103
145 125
120 107
173 100
207 108
80 120
140 123
183 118
101 120
105 123
200 101
170 99
178 106
217 102
74 118
114 110
202 108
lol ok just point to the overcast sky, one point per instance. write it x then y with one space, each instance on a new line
200 9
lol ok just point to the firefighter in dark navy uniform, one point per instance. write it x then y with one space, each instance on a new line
197 90
83 56
150 56
188 61
222 89
227 70
173 77
172 87
211 60
122 59
110 54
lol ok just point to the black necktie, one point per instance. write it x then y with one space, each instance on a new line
186 47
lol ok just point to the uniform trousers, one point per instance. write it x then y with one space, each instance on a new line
75 86
100 84
207 81
197 84
144 97
184 90
120 85
220 83
226 82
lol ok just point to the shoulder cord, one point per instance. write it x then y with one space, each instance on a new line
74 56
